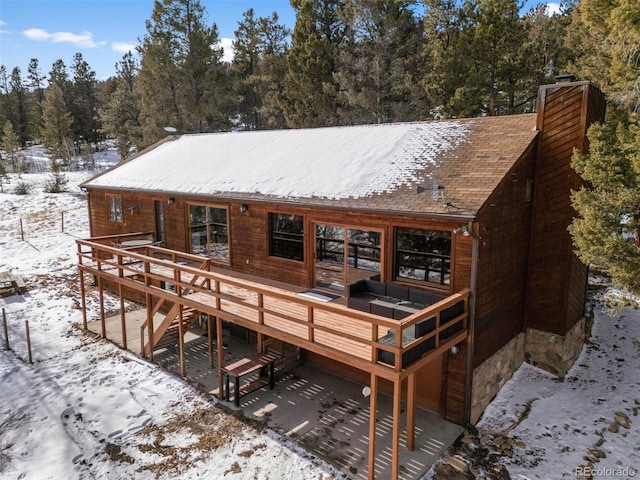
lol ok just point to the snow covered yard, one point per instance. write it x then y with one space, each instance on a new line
581 427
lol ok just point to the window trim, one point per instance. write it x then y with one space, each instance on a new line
302 241
207 225
114 206
426 282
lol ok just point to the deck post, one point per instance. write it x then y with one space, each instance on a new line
395 435
220 357
83 300
149 325
101 296
181 340
210 338
373 407
411 411
123 322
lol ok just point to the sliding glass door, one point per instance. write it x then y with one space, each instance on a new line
345 255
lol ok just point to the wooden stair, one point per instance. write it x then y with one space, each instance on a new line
166 334
288 355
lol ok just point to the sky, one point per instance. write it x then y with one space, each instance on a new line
104 30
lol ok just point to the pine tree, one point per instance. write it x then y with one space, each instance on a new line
447 55
121 109
84 101
624 21
12 149
56 128
19 94
497 83
310 90
181 72
378 66
258 70
607 231
7 102
36 82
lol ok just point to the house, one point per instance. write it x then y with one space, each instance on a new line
444 243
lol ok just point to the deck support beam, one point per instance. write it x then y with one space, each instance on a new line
148 300
84 301
103 322
221 392
210 338
395 432
411 411
373 407
181 340
123 322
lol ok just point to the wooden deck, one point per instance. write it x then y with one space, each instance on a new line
329 329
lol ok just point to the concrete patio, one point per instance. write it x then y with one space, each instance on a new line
326 415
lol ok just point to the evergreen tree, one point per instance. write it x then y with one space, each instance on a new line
181 71
7 101
446 54
624 22
121 110
378 66
258 70
56 128
607 231
36 81
605 43
18 92
272 70
12 149
60 76
84 101
498 81
310 88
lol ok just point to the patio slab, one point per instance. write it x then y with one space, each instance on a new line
325 414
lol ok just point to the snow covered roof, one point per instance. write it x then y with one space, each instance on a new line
340 166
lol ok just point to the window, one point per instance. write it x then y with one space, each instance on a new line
287 236
209 232
423 255
115 208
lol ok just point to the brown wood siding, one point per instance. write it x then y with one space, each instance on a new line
454 385
137 220
503 246
556 284
249 233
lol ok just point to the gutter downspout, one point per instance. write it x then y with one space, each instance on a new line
471 326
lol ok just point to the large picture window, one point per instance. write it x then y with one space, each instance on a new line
115 208
423 255
209 232
287 236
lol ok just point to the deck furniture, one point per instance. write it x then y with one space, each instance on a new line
421 329
245 366
387 299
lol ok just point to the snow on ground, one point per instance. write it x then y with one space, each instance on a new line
588 421
85 409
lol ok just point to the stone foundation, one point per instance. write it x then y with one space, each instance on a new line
553 353
556 353
493 373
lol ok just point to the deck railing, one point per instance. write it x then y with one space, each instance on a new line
330 329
